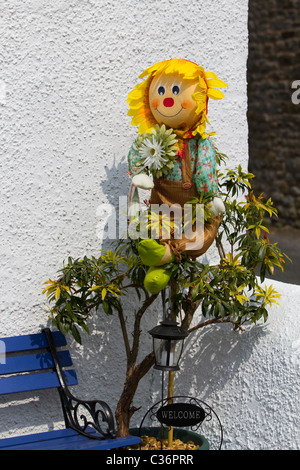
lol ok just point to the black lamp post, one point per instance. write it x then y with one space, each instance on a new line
168 339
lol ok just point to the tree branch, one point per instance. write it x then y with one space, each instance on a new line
220 247
119 308
136 330
144 366
209 322
137 286
191 307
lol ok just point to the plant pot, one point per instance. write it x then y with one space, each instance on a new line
182 434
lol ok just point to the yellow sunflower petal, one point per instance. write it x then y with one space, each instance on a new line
215 94
217 83
202 128
135 94
133 110
136 120
202 83
145 127
199 96
200 108
210 75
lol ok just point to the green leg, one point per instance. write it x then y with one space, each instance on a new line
156 279
151 252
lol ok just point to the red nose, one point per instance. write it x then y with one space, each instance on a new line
168 102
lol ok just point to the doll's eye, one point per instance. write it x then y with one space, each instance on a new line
175 89
161 90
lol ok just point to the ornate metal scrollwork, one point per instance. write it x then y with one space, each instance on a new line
80 414
210 426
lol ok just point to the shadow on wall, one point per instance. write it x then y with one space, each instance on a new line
216 354
117 181
116 185
15 409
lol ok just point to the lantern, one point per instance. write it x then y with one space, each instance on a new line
168 339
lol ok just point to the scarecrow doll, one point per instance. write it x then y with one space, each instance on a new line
174 157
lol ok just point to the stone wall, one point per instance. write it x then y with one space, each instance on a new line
274 120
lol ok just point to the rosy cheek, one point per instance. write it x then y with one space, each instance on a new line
188 104
155 103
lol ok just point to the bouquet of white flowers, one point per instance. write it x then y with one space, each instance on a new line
158 151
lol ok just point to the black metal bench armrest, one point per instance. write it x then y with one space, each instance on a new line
81 414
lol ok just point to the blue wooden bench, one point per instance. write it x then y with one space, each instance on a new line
37 361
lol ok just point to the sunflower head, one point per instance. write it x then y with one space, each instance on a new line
174 93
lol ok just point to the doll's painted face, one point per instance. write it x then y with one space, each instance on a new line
171 102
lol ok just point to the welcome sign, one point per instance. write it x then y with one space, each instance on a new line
180 414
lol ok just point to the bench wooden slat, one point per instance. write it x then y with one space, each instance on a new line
30 342
24 383
64 439
33 362
37 437
81 443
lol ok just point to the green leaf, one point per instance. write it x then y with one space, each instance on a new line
107 307
57 293
63 327
76 334
85 327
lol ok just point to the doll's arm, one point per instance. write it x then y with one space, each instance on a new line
216 206
143 181
206 168
206 175
139 176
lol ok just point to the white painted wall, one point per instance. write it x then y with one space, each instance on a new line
66 70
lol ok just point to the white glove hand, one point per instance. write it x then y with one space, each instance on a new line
216 207
142 181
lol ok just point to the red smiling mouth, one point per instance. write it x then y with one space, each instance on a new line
172 115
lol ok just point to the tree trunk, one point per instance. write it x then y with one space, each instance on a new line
125 410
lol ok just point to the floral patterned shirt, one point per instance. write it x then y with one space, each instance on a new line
203 163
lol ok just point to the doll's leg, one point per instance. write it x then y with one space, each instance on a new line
156 279
153 253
